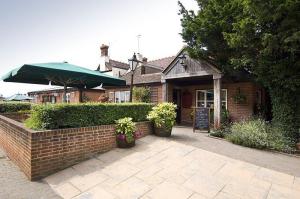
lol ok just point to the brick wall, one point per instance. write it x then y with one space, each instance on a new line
41 153
16 142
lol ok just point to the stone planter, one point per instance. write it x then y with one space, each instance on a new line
122 142
162 132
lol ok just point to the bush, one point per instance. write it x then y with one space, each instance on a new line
8 107
141 94
126 127
83 115
163 115
257 133
221 133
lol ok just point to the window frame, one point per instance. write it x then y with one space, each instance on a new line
205 91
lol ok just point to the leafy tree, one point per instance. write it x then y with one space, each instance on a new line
142 94
261 37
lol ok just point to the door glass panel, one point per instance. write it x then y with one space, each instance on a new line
200 95
210 95
223 95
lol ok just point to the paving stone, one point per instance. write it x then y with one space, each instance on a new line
87 181
296 184
204 185
96 193
67 190
197 196
275 177
282 192
169 190
132 188
15 185
257 189
223 195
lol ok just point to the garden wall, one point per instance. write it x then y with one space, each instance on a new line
41 153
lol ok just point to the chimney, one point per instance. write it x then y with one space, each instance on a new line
104 57
104 50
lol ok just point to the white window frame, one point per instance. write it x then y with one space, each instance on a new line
117 94
205 97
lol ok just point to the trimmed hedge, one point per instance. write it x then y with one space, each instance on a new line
82 115
9 107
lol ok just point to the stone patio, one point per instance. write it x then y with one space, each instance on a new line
170 168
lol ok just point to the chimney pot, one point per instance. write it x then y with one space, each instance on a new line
104 50
145 60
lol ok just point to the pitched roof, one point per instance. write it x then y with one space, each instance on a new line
143 79
116 64
162 63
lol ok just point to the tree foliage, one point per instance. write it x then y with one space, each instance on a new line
261 37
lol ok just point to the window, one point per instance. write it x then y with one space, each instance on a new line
68 97
205 98
111 96
122 96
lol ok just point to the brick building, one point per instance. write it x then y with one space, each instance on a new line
74 95
179 79
193 83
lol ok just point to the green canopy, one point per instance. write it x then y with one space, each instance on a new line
61 74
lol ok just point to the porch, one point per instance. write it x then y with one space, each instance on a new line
193 83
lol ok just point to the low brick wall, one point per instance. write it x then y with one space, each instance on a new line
41 153
20 117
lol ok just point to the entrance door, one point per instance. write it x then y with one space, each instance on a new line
177 101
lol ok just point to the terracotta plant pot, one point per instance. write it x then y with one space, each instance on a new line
162 132
122 142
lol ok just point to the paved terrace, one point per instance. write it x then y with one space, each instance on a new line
186 165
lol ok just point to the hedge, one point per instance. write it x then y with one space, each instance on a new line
8 107
82 115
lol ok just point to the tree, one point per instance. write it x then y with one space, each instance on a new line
261 37
141 94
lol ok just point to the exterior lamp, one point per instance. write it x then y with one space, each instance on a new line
133 63
183 60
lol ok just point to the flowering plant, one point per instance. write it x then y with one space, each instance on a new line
125 129
163 115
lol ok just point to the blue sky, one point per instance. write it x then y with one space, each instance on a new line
36 31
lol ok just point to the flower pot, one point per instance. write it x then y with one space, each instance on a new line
162 132
122 142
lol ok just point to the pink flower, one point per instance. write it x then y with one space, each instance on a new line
121 137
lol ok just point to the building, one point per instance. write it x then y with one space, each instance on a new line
74 95
19 98
193 83
187 82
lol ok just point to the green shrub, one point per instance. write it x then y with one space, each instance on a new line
221 133
141 94
82 115
8 107
163 115
126 126
256 133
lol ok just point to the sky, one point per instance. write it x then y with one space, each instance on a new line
40 31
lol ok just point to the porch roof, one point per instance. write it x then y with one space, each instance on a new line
192 68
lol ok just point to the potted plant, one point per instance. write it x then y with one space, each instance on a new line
125 131
163 116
